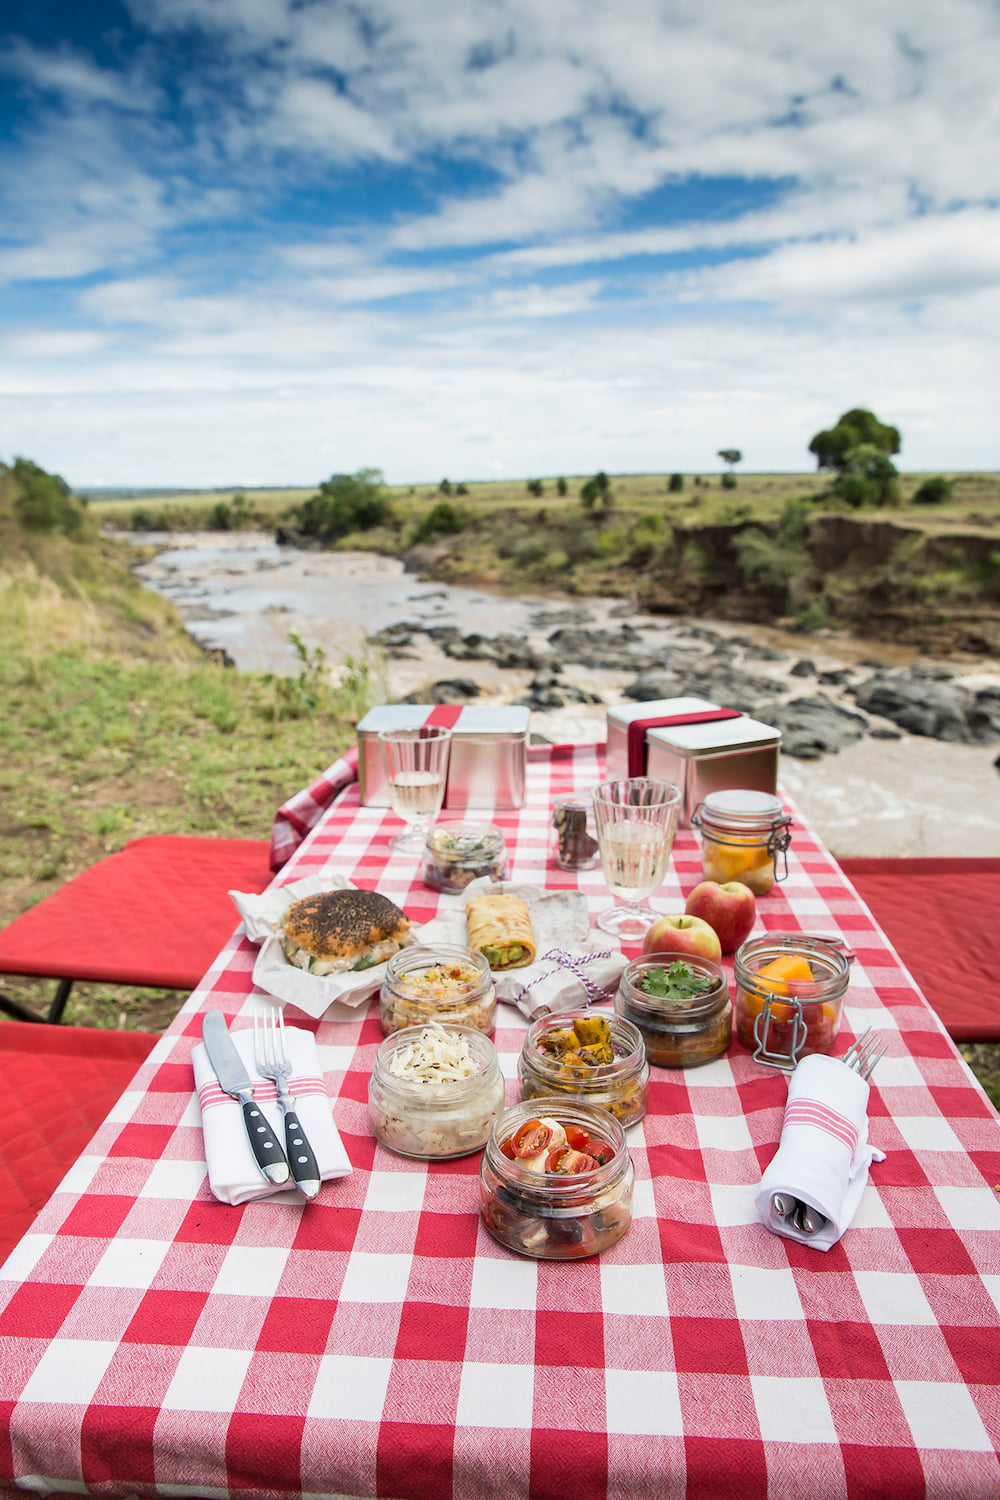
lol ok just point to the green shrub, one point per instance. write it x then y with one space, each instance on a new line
345 503
729 481
443 519
933 491
813 615
676 483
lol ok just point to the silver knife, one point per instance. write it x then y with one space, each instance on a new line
233 1077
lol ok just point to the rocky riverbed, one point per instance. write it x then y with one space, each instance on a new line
884 752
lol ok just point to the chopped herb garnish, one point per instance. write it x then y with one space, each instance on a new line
678 981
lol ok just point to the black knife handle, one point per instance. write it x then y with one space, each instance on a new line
270 1157
305 1168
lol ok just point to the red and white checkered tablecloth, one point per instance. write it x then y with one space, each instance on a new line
378 1342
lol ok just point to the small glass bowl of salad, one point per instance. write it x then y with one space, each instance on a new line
435 1091
680 1007
556 1179
456 854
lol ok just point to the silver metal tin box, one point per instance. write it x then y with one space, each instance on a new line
488 761
699 758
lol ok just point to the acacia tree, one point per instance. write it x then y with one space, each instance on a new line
855 428
597 491
730 456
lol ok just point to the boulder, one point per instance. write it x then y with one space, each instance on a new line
811 727
927 704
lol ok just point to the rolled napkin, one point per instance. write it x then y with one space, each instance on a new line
233 1173
823 1155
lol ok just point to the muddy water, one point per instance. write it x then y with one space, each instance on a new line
242 593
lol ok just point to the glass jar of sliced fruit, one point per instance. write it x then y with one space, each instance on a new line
744 836
789 995
590 1054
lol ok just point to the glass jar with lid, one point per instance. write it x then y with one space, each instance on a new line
744 836
574 834
590 1054
435 1091
440 983
789 995
684 1020
456 854
575 1209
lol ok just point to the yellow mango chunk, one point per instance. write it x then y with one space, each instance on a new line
790 968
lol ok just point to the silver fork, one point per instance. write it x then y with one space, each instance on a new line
863 1054
272 1061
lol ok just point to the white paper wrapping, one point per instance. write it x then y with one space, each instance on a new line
316 994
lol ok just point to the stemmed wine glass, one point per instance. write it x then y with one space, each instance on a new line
636 822
416 762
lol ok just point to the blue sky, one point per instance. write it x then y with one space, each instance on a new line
260 241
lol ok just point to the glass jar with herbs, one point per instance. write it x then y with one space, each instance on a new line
680 1007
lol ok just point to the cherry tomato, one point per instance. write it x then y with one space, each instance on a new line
531 1138
577 1138
568 1162
600 1151
507 1148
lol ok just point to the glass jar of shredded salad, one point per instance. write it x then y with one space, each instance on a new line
441 983
435 1090
456 854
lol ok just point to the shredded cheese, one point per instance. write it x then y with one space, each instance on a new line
434 1057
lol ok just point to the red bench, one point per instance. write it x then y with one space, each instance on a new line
153 915
59 1083
942 916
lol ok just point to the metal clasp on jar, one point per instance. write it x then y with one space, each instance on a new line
781 837
762 1026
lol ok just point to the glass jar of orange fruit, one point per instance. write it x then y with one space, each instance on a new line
789 995
743 835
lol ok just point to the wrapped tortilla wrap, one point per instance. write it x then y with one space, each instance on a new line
500 928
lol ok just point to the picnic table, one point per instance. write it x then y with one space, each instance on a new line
378 1342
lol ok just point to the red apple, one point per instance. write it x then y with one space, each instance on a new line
682 934
731 908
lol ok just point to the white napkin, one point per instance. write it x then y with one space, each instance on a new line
571 969
233 1173
823 1155
314 994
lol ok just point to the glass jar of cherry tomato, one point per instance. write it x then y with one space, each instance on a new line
789 995
590 1054
556 1179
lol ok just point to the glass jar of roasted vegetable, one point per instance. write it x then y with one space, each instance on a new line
789 995
680 1007
556 1180
594 1056
745 837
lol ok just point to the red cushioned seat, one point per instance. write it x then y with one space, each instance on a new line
155 914
942 916
58 1084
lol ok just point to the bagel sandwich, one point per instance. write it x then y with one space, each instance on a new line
337 932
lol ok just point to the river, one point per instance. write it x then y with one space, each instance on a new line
242 593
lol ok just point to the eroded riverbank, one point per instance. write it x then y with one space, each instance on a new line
904 794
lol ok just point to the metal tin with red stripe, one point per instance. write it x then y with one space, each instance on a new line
489 752
694 743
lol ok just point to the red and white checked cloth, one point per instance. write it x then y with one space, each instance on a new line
300 814
377 1342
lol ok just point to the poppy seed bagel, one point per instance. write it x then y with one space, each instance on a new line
343 924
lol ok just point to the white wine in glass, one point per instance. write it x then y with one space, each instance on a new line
636 823
416 762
